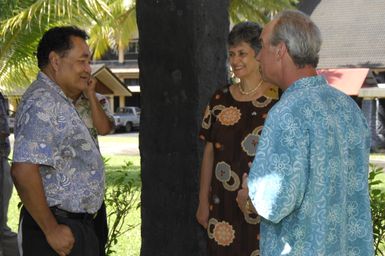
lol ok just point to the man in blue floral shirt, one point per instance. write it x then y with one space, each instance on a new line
309 178
57 167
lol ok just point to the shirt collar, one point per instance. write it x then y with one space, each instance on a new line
307 82
51 84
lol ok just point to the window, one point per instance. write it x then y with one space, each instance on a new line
133 47
131 81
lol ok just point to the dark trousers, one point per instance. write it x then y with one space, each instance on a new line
33 241
101 229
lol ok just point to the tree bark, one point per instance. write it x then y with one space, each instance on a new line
182 60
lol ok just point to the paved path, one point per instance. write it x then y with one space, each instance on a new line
116 148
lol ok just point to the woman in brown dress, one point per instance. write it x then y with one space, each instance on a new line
231 126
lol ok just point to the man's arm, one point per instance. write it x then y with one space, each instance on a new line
29 185
102 123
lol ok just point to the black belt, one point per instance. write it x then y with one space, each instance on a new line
72 215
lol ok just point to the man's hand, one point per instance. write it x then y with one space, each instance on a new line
90 90
61 239
243 195
202 214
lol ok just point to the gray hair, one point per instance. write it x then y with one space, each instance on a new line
247 32
301 36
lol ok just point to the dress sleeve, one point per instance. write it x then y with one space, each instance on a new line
208 120
278 174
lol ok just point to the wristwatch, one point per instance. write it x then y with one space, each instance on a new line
249 206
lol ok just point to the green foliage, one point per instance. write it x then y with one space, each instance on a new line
257 10
377 202
22 25
121 197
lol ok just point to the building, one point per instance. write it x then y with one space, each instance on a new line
352 56
127 71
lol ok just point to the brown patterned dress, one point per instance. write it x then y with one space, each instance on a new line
234 128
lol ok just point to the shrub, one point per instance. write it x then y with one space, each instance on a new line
377 202
120 198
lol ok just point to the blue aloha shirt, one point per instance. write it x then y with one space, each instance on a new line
50 132
309 178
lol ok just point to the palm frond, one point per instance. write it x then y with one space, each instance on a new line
257 10
20 33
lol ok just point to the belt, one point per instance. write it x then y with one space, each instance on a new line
72 215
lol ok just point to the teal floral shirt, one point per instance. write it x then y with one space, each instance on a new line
309 178
49 132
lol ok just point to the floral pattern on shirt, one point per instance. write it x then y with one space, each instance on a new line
309 178
49 132
83 107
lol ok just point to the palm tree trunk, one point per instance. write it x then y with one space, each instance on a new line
182 60
121 55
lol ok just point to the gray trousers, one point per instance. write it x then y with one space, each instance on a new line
6 189
8 245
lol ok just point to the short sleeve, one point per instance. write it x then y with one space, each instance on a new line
209 118
34 133
278 174
106 106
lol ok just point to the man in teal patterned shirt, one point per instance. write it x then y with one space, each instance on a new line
309 178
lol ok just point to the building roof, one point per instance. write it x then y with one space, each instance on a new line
110 80
353 32
108 83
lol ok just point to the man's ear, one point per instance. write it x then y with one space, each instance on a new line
54 59
281 50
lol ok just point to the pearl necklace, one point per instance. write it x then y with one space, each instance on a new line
251 91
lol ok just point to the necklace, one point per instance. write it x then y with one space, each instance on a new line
251 91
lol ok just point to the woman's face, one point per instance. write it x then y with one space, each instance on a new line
242 59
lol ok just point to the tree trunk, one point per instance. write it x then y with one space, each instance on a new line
182 60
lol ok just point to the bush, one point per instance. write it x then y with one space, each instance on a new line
120 198
377 202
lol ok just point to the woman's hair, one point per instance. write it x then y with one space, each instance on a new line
247 32
57 39
300 35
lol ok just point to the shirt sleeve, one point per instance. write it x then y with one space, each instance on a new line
106 106
278 174
34 133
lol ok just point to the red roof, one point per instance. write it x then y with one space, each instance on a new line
347 80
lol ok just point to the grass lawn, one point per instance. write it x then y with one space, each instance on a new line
129 244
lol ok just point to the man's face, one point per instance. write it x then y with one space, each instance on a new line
267 55
73 69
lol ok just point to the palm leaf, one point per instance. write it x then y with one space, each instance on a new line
20 33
